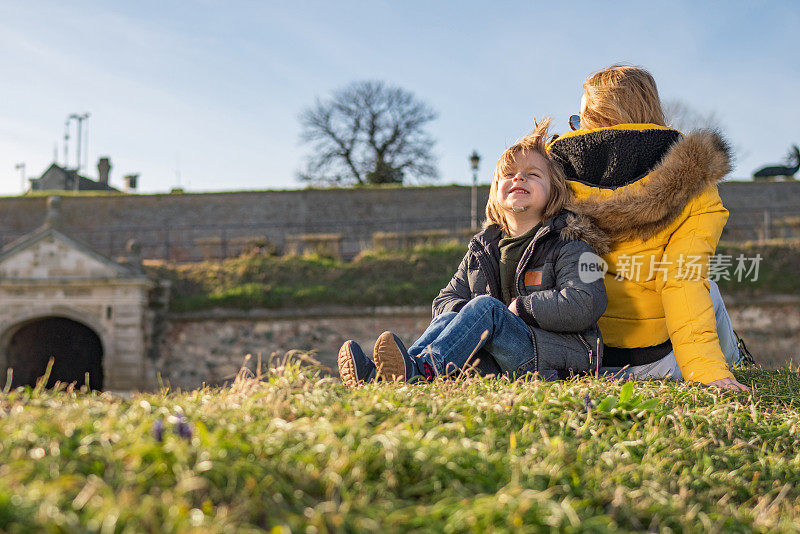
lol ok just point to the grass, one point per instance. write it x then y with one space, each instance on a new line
778 268
64 193
295 451
374 278
395 278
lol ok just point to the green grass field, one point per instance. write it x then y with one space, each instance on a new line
296 451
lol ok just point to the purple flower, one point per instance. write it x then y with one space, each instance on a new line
158 430
183 429
587 402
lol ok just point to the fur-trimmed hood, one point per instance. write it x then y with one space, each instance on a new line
652 171
569 225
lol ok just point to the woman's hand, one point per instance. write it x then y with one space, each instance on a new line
729 383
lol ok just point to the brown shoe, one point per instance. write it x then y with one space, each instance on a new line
354 366
392 359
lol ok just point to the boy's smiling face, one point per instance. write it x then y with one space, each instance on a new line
526 184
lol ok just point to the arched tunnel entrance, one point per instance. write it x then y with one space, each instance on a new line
75 348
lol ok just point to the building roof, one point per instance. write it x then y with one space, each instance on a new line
84 262
57 178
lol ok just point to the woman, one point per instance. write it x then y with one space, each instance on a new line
653 191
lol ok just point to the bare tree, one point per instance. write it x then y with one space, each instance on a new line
368 133
685 118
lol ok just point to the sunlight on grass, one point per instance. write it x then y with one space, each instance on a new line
290 446
417 275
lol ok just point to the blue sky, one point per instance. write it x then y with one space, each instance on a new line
208 93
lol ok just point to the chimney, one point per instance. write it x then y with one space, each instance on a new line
103 170
130 182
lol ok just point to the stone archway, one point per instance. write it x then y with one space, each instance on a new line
76 350
47 275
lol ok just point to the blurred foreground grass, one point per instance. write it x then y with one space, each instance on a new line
295 450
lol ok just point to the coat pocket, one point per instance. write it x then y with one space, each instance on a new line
562 352
526 369
593 356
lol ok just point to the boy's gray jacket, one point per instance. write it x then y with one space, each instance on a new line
560 308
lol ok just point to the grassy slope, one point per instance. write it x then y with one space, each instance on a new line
779 270
372 279
392 278
296 450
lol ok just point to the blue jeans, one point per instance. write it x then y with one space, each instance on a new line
453 336
667 367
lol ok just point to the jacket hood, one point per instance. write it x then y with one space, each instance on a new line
667 174
612 157
570 226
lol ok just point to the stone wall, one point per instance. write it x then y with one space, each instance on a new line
770 328
169 225
211 347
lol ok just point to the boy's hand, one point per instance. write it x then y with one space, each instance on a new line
513 307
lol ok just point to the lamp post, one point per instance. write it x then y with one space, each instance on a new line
80 118
474 161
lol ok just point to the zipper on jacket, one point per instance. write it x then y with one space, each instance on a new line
588 349
494 290
492 278
526 256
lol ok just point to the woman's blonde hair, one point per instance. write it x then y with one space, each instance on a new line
536 142
621 94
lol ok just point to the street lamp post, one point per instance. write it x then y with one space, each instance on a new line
79 118
474 161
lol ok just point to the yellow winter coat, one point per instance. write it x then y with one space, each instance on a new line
653 191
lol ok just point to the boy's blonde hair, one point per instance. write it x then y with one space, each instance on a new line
536 142
621 94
